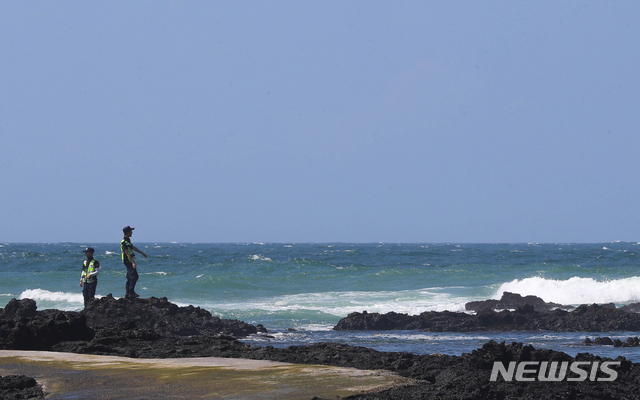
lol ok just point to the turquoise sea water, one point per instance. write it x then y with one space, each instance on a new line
299 291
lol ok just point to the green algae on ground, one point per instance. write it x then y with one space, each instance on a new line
66 375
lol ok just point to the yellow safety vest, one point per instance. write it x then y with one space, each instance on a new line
122 246
88 269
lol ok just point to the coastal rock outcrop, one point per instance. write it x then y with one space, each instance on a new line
117 326
162 317
24 328
607 341
586 318
512 301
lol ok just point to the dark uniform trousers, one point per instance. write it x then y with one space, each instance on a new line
132 278
89 291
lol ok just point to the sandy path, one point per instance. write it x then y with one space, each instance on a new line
77 376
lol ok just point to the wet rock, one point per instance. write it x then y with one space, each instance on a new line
607 341
378 322
632 342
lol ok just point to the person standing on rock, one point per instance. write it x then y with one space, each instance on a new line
129 261
89 277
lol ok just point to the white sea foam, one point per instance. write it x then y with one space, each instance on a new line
340 304
260 257
413 302
316 327
428 336
575 290
59 300
110 252
40 294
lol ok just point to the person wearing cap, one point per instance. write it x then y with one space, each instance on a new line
129 261
89 276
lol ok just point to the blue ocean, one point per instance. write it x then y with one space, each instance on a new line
299 291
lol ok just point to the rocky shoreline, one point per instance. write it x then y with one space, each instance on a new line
156 328
607 341
515 313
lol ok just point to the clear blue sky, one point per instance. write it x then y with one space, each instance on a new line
325 121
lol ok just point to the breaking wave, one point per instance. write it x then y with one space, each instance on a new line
576 290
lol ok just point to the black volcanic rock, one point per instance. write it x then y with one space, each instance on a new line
145 344
607 341
633 307
468 377
460 377
110 326
20 387
603 341
586 318
17 309
378 322
24 328
160 316
511 301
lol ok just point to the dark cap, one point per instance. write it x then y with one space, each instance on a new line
127 229
88 250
